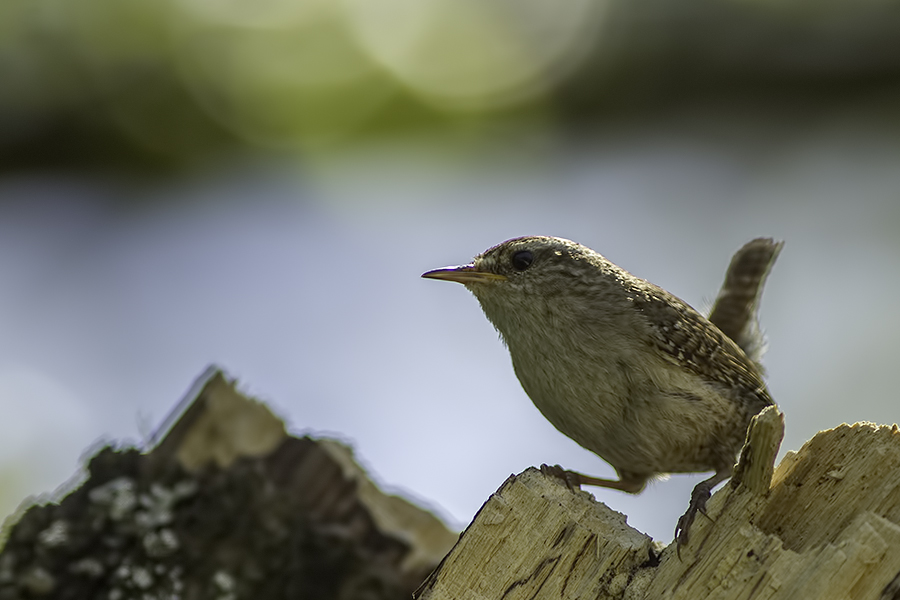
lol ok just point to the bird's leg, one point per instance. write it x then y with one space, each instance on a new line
699 497
632 483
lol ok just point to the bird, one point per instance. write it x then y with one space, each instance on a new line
623 367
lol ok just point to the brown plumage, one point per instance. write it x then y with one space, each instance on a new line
621 366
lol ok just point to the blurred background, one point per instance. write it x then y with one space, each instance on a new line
194 181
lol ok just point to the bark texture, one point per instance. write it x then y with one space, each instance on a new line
225 506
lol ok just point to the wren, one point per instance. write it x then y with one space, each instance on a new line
623 367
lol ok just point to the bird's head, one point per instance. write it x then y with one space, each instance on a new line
523 276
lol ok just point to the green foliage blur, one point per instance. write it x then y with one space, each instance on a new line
175 83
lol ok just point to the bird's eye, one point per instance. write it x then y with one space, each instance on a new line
522 259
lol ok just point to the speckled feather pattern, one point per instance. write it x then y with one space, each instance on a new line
618 364
695 344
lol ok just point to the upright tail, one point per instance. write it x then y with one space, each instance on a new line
736 309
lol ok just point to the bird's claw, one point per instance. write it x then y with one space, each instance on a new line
570 478
699 498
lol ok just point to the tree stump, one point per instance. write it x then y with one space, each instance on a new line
225 505
825 525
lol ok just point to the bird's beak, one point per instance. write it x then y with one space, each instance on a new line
463 274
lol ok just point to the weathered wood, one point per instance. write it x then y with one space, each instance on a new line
225 505
536 538
757 462
825 525
214 423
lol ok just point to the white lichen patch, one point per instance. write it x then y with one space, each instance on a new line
226 584
118 495
160 543
142 578
57 534
224 581
158 503
90 567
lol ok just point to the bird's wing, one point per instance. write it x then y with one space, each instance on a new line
689 340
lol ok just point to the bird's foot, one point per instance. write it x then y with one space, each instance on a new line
570 478
699 498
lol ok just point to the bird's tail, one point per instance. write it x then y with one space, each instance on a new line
736 309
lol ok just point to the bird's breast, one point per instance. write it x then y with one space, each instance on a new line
639 417
581 391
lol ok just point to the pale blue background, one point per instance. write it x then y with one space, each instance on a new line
302 280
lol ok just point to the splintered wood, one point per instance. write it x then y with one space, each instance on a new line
536 537
825 526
